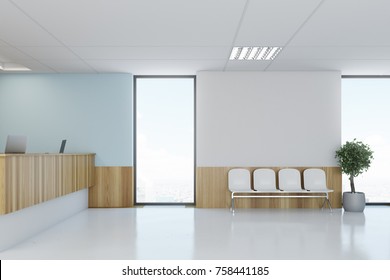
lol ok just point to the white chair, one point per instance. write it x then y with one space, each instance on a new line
314 180
239 181
290 180
264 180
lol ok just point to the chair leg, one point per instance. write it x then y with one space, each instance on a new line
323 203
326 200
330 205
232 203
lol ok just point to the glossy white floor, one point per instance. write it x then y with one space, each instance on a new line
189 233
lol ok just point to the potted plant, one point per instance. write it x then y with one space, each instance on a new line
354 158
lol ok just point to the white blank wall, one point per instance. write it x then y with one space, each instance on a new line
268 118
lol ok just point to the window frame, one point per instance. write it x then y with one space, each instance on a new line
135 77
368 77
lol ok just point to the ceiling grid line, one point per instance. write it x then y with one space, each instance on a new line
52 35
298 30
168 37
26 54
237 31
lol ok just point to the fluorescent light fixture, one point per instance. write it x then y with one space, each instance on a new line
254 53
272 53
244 53
263 53
13 67
235 53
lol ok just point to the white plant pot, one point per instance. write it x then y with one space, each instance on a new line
354 202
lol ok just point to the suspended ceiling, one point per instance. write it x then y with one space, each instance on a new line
147 37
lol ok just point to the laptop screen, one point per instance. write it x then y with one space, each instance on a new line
62 148
16 144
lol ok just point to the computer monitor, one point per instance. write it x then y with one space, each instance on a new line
62 148
16 144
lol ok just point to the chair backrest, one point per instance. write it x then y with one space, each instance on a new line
290 179
264 179
314 179
239 179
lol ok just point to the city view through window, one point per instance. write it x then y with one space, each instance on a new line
165 156
366 117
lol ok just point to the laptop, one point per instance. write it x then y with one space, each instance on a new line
62 148
16 144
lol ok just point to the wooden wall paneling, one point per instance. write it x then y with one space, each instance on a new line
334 181
2 185
113 187
211 187
212 190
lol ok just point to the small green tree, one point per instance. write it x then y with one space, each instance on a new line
354 158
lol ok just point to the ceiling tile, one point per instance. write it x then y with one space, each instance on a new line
3 44
156 67
346 67
138 23
17 29
244 65
49 53
35 66
68 66
186 36
158 53
335 52
347 23
273 22
9 54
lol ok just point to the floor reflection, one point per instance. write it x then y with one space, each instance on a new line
188 233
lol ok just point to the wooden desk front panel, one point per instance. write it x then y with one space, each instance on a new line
35 178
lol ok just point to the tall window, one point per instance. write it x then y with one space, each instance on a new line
165 148
366 117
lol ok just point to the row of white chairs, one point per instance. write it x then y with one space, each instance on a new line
264 182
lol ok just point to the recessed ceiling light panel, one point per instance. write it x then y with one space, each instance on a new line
235 53
254 53
13 67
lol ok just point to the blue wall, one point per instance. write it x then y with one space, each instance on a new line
92 111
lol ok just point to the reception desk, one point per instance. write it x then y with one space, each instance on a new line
30 179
